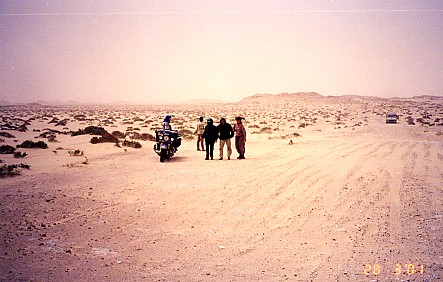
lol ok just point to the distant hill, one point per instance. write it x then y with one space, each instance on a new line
429 97
282 98
316 98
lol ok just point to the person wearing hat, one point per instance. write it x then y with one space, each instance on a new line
240 137
210 136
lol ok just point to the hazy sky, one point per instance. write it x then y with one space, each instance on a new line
154 51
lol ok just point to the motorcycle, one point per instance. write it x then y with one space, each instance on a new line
167 142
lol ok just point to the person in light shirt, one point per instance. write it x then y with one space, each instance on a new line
199 131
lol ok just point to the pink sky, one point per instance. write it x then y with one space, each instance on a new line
151 51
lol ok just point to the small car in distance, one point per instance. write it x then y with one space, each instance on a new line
391 117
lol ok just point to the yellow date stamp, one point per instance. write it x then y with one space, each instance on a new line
397 269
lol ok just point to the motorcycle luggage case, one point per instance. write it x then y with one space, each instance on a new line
177 142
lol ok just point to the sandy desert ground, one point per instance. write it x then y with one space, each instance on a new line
351 195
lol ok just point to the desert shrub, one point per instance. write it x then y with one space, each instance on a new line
118 134
80 117
32 144
54 120
95 140
49 135
53 131
7 149
142 136
295 134
92 130
12 170
133 144
95 130
22 128
76 153
254 126
410 120
148 137
266 129
62 123
106 138
6 134
9 170
20 155
52 138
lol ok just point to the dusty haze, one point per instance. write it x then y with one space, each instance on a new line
151 52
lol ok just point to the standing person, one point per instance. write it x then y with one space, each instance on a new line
210 135
166 121
199 131
225 133
240 137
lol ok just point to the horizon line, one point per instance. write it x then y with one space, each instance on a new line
209 101
216 12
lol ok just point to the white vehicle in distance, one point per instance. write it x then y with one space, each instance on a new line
391 117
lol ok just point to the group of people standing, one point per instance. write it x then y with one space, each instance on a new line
209 133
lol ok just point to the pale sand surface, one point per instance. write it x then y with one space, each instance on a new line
350 191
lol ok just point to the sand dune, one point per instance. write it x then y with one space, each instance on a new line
351 193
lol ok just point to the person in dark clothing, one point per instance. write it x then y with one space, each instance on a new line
210 136
225 133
